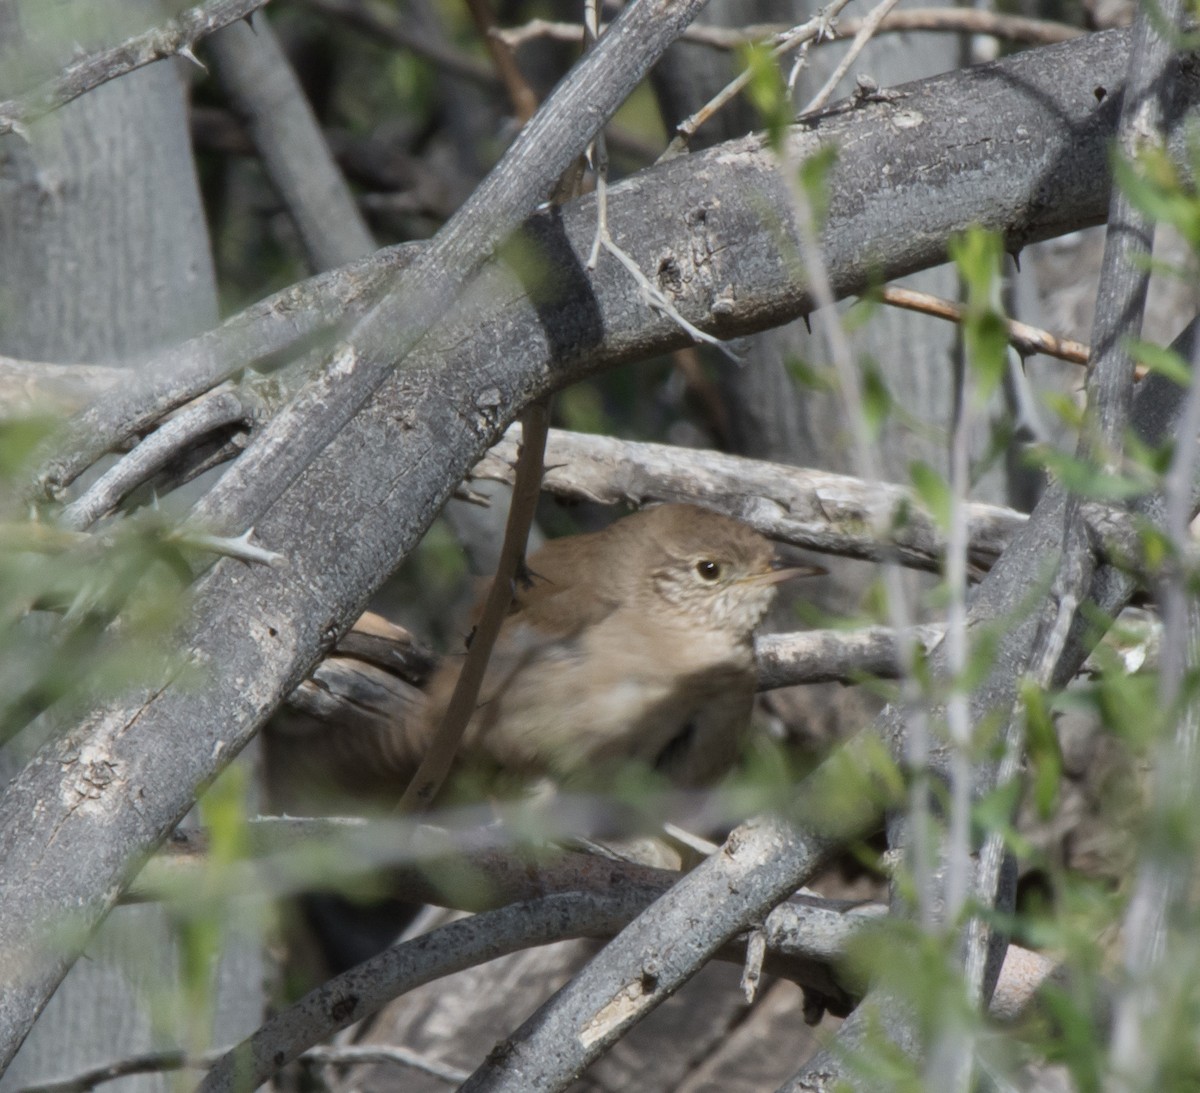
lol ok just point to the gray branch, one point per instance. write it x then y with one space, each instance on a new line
762 862
422 294
1020 146
216 410
804 936
356 994
174 38
1031 154
809 508
268 98
278 325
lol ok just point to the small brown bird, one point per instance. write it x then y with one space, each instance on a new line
631 644
634 643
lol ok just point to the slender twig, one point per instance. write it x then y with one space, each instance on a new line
1025 339
394 1055
176 37
951 1044
798 37
523 98
654 296
1120 303
865 459
210 412
439 758
163 1062
598 154
1166 869
865 33
958 712
1013 28
229 546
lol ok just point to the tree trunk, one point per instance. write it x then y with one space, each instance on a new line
104 253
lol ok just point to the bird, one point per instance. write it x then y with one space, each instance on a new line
629 645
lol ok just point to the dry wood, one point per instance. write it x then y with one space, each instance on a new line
176 37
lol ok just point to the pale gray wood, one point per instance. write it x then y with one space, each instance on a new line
268 98
104 254
261 629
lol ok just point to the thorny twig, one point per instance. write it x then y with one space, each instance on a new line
1013 28
176 37
800 37
865 33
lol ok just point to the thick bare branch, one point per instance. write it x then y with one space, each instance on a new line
835 513
256 631
170 378
560 130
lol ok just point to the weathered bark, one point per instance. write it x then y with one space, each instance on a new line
104 254
382 479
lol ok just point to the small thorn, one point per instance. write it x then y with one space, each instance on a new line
186 53
807 323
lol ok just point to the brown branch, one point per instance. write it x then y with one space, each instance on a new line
1025 339
435 766
523 98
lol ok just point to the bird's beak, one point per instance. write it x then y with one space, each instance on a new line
781 571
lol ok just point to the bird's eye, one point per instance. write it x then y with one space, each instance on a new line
708 569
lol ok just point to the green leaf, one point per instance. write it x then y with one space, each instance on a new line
1154 186
1166 362
877 401
808 376
933 490
19 440
767 92
978 255
814 177
1045 756
1065 407
1087 480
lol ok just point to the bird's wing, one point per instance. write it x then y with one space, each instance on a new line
562 591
